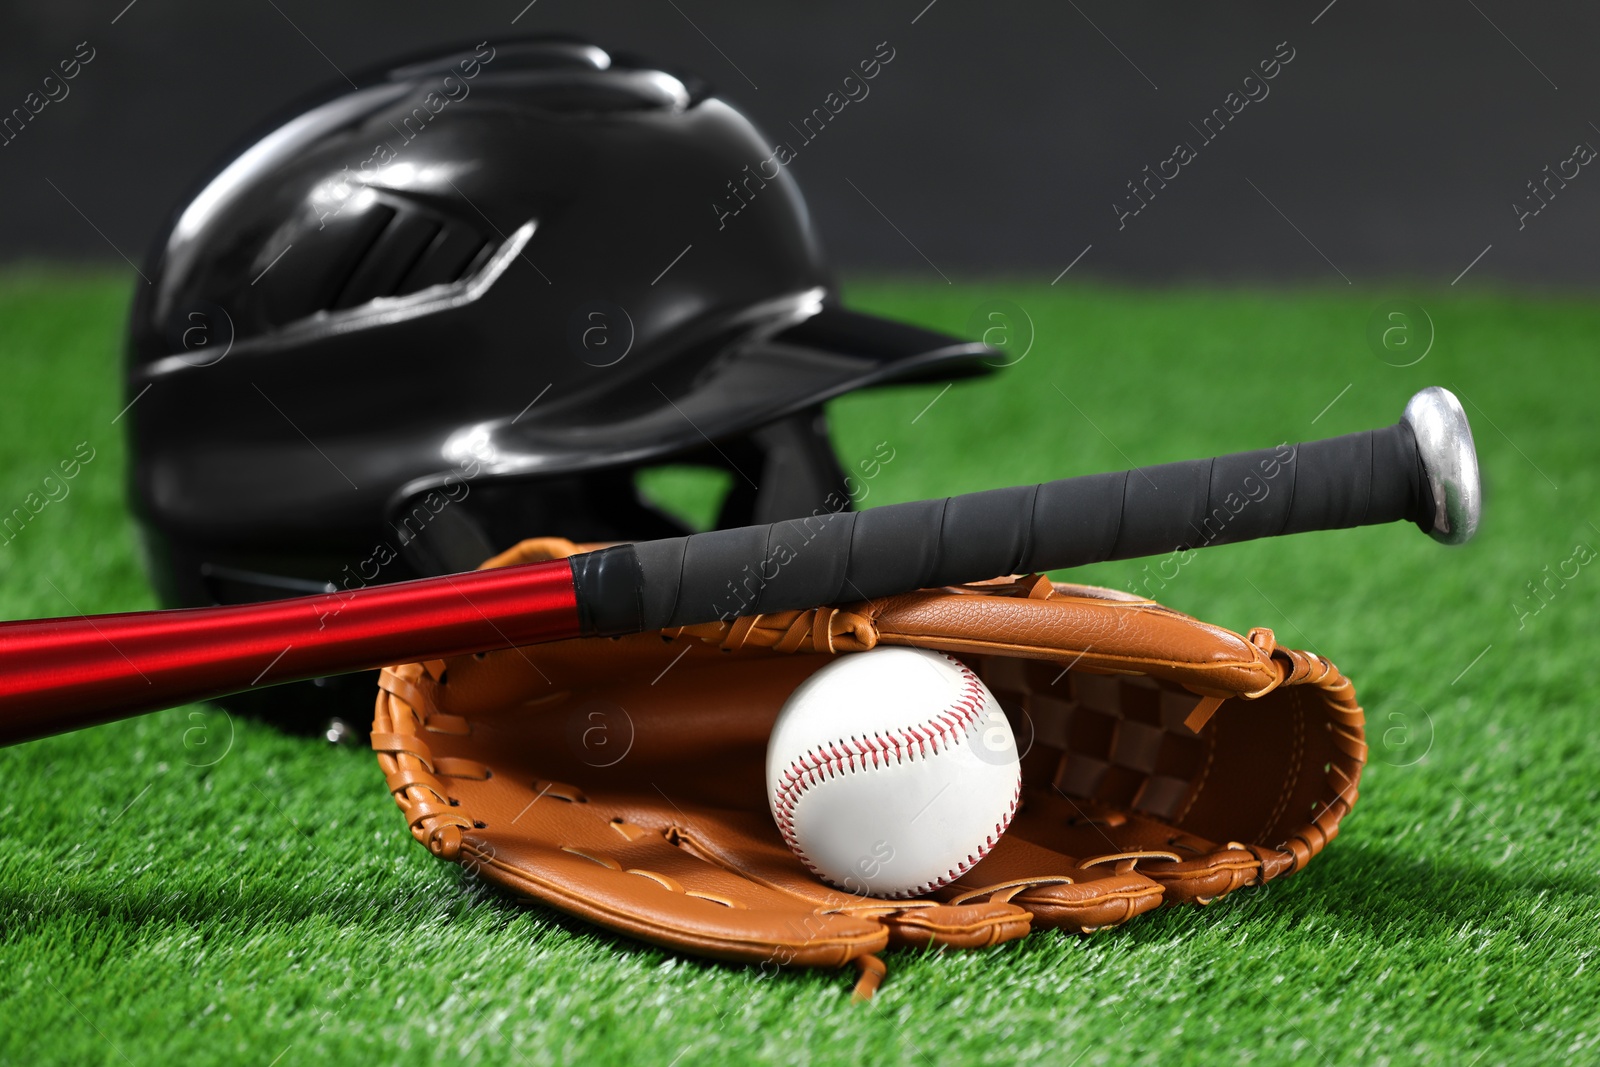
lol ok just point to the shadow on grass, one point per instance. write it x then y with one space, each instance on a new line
1384 897
1389 897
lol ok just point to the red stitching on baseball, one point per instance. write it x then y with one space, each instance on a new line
807 769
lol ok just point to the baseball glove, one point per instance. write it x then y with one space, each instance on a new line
621 780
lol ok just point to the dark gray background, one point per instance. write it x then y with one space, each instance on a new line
1394 145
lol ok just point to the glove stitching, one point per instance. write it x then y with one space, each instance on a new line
1201 779
1296 756
835 758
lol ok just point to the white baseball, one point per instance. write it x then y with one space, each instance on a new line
892 772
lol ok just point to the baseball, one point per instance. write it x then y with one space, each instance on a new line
892 772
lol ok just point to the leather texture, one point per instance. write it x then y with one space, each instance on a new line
621 780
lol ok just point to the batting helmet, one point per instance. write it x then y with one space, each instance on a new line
468 301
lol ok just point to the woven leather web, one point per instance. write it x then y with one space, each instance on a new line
1119 739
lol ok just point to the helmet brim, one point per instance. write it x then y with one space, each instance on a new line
749 383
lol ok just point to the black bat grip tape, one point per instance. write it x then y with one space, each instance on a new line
1360 479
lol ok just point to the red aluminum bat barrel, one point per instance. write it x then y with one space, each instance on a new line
63 674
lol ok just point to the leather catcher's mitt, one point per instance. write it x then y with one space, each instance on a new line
621 780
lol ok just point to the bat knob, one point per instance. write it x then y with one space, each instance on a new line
1444 442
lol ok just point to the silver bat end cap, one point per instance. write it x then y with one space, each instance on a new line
1444 441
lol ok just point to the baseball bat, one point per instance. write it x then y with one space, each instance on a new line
63 674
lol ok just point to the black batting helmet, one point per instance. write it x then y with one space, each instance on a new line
467 302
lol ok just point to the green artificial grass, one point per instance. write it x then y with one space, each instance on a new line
186 888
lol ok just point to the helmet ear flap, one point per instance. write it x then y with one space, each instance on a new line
799 474
447 541
791 460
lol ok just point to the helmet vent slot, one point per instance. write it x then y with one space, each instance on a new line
447 258
397 248
412 251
